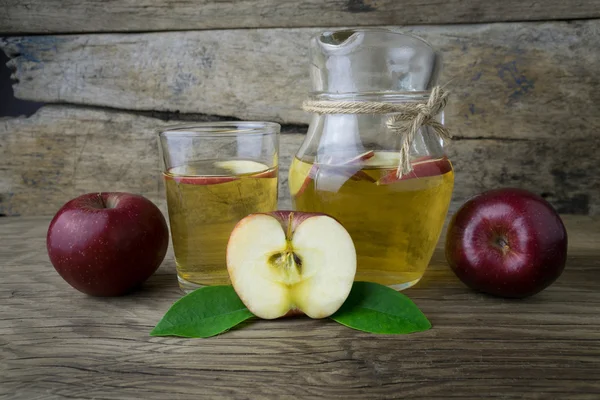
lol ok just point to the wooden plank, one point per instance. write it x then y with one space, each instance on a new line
59 16
61 152
57 343
509 80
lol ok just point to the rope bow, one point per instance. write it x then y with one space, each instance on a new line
405 119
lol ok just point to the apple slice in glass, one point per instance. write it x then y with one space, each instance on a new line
340 172
246 167
383 159
422 167
188 175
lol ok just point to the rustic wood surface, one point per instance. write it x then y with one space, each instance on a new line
56 343
59 16
61 152
509 80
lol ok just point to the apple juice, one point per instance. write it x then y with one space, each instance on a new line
395 222
205 202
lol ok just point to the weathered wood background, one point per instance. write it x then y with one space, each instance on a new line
49 16
524 111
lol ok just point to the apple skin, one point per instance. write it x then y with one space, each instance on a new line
107 244
507 243
290 220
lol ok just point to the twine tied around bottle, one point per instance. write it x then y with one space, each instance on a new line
405 119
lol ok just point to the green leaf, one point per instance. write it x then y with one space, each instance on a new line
375 308
202 313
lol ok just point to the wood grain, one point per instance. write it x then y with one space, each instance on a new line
59 16
56 343
61 152
509 80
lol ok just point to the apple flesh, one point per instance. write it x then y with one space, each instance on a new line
107 244
287 262
507 242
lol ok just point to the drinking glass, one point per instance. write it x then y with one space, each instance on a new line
215 174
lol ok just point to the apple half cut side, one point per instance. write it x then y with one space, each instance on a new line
235 167
339 169
285 261
422 168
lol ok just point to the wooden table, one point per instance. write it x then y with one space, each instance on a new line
57 343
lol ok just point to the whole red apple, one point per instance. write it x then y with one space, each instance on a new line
107 244
507 242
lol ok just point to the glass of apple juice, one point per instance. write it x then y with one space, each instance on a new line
395 222
215 174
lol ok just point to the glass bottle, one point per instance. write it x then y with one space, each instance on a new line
348 165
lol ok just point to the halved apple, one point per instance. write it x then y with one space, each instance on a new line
288 261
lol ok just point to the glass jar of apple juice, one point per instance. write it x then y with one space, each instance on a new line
374 154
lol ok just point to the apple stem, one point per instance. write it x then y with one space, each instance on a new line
289 226
101 200
503 244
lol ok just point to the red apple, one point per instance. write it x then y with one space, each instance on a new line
507 242
107 244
